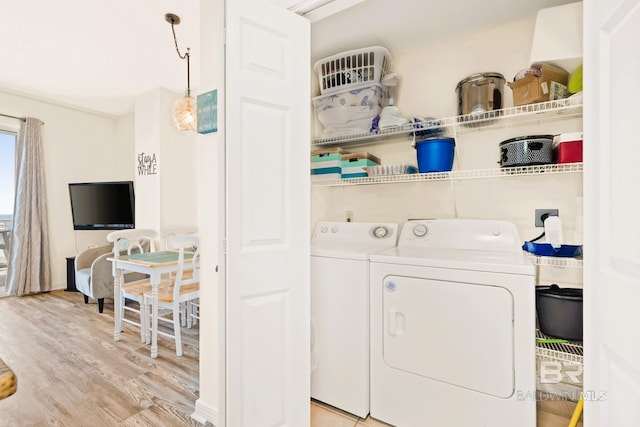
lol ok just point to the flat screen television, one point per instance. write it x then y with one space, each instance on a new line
102 205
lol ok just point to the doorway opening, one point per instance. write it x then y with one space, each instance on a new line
7 193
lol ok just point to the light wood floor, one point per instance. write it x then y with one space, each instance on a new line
71 372
550 413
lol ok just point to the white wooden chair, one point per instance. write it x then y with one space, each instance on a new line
185 288
170 232
133 241
167 234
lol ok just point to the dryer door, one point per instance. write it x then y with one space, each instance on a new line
456 333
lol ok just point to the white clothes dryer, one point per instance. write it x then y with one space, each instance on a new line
453 327
340 310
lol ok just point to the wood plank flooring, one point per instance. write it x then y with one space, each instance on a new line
550 413
72 373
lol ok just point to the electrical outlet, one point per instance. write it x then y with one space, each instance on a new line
348 215
544 212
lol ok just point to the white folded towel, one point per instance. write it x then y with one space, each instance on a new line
390 117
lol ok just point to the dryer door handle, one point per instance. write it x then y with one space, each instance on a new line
396 322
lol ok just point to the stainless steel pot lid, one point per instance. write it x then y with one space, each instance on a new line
478 77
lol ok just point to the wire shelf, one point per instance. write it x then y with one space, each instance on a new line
571 351
559 168
559 109
548 261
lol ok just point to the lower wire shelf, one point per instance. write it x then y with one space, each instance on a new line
516 171
569 351
559 368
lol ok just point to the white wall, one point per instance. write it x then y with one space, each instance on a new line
210 404
166 188
148 133
78 146
179 173
431 72
124 143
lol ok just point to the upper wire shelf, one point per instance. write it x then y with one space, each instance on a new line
558 109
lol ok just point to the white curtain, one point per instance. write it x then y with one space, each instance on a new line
29 269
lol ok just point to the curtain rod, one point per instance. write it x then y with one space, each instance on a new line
24 119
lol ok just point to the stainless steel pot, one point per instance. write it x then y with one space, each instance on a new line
480 93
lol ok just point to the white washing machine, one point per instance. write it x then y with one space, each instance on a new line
340 310
453 327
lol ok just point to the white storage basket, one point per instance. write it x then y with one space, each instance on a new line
352 69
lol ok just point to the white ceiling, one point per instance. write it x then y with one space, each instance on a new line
399 24
98 55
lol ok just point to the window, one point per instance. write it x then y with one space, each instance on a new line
7 190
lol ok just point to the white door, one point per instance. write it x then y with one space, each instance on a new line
612 213
267 196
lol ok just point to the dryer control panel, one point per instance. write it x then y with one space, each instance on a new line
466 234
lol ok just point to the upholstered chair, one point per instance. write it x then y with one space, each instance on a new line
94 275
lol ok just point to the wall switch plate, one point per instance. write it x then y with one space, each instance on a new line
541 212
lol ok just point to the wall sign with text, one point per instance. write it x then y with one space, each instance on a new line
208 112
147 164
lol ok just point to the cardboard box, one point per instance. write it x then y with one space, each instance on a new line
551 85
326 164
353 165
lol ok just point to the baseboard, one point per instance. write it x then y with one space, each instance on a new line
204 414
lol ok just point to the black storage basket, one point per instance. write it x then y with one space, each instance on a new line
559 312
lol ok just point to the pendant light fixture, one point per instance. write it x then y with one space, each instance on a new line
185 109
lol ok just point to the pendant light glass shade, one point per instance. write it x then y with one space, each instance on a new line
185 114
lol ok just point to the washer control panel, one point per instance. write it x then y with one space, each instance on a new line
325 228
377 233
380 232
420 230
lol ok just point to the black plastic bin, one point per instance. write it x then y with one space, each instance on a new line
559 312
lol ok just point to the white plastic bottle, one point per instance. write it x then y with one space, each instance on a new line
553 231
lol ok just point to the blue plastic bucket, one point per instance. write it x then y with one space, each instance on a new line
435 154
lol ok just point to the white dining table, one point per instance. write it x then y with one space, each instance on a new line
155 264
